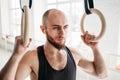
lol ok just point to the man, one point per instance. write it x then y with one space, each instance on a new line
53 60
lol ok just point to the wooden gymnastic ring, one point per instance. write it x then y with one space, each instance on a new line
103 22
25 25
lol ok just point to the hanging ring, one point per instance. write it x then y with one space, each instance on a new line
103 22
25 25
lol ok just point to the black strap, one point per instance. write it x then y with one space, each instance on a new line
41 58
88 4
30 5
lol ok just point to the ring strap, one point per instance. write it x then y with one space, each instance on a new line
88 4
30 5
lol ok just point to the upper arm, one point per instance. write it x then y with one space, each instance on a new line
84 64
76 55
87 66
24 68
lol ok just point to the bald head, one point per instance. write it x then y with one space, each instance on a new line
51 13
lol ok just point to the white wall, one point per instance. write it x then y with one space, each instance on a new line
119 28
4 16
0 19
38 8
111 11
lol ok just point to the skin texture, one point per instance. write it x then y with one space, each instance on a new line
23 63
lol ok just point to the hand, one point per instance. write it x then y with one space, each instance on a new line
87 39
19 48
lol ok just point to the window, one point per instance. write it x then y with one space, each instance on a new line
15 18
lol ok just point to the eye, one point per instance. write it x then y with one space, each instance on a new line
65 27
56 27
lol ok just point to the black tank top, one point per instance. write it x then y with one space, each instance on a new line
46 72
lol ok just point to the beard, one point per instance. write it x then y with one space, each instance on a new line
55 44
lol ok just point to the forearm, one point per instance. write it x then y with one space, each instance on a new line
9 70
99 63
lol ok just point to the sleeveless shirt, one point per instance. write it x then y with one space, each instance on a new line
46 72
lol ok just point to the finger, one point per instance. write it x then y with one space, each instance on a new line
86 32
18 39
89 37
82 37
30 39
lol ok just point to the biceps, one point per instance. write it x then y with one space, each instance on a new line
87 66
23 72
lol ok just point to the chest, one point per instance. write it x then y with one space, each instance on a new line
57 62
57 69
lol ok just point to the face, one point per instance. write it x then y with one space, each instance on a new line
56 29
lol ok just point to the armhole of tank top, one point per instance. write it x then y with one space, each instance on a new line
70 54
39 50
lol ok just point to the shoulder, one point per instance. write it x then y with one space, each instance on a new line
29 57
74 51
76 54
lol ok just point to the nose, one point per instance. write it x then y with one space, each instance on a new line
62 31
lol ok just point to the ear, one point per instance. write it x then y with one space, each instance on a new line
42 28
